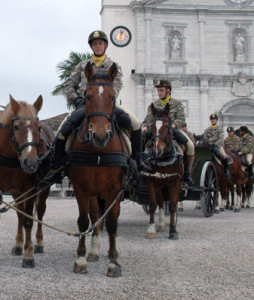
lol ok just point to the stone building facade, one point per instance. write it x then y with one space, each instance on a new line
206 48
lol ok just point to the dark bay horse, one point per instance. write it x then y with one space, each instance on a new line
23 142
97 164
166 172
236 177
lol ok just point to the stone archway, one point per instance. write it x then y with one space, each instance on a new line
238 112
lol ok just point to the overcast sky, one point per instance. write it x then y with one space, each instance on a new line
35 35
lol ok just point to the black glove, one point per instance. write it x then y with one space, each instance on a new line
78 101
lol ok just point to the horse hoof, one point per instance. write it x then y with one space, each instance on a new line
247 206
16 251
150 235
114 270
230 208
92 257
173 236
38 249
217 211
221 209
236 210
28 263
80 269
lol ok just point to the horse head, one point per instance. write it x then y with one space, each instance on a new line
100 102
161 131
25 132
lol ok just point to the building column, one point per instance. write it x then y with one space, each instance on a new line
148 50
202 62
140 104
148 92
204 115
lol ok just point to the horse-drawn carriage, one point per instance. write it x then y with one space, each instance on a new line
204 187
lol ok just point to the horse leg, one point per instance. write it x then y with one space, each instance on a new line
80 265
238 197
150 233
18 247
231 207
114 268
94 214
173 235
28 259
40 208
160 201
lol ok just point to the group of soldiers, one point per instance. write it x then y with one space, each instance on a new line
240 142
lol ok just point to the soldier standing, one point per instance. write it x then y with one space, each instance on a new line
214 136
246 148
177 116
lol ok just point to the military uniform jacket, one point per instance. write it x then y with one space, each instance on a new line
75 86
176 114
232 143
214 136
247 144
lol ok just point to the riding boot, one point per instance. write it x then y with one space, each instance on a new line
250 172
226 167
136 144
188 163
55 175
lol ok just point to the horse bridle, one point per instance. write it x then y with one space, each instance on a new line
88 136
17 147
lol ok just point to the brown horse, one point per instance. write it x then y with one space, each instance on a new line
23 143
236 177
166 172
97 164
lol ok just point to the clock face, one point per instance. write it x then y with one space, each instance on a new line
238 1
120 36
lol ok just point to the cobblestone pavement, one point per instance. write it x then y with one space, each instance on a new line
213 258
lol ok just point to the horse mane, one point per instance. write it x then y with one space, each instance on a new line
26 111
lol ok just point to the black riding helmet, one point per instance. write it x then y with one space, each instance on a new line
163 83
98 34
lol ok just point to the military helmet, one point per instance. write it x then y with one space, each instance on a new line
230 128
214 116
98 34
244 128
163 83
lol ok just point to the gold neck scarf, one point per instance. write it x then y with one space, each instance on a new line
245 135
166 100
98 60
214 126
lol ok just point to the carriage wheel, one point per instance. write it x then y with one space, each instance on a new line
209 185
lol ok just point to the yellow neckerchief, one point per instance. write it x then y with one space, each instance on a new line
98 60
245 135
166 100
214 126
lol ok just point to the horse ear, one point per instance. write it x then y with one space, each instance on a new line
153 109
89 72
14 105
38 103
112 72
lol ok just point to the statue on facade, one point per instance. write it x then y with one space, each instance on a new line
239 48
175 44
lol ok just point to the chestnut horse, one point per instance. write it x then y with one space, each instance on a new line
236 177
97 168
166 172
24 144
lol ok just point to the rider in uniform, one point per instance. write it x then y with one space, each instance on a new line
75 91
231 142
177 116
214 136
246 148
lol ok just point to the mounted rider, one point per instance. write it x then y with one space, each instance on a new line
75 91
232 141
247 148
177 116
214 136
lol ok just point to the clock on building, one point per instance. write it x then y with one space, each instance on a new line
120 36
